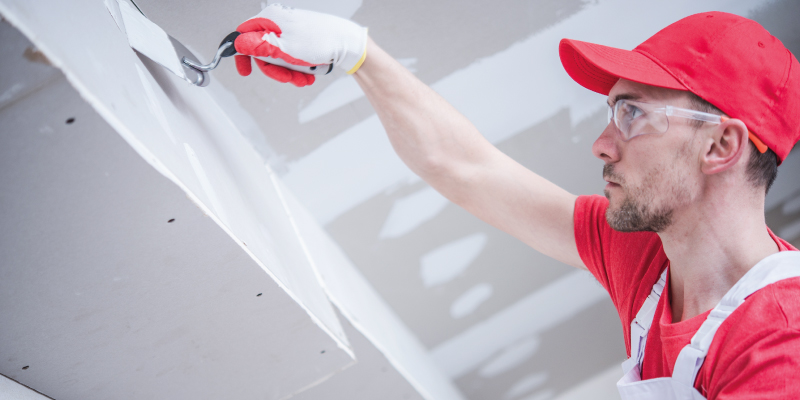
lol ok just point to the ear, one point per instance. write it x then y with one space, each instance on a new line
725 146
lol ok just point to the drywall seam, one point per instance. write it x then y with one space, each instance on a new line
150 158
302 241
394 340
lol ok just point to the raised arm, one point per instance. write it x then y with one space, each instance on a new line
434 140
440 145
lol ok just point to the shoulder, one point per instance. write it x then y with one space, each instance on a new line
757 349
784 296
774 308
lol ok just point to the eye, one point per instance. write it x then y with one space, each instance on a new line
634 111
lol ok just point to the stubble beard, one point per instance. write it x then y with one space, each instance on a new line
636 212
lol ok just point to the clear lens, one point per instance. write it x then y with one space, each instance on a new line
633 118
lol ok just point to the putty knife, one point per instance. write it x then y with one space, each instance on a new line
149 39
226 49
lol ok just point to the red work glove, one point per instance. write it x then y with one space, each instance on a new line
298 37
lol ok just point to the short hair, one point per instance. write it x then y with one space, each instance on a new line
762 168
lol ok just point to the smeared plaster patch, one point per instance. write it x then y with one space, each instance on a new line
511 357
526 384
443 264
11 92
411 211
500 102
543 395
470 300
340 8
539 311
337 94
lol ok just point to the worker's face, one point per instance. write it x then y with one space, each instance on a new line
650 176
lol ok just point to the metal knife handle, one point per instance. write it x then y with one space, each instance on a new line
227 49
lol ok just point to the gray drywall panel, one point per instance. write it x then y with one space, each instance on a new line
101 296
351 291
180 130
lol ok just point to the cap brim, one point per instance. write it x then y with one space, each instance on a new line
598 68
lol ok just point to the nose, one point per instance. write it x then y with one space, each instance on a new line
605 147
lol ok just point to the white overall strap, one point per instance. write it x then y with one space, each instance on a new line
776 267
641 325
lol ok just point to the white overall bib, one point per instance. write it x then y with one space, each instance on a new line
776 267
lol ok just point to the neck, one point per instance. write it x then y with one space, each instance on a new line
711 245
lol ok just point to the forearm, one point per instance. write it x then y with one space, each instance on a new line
447 151
428 134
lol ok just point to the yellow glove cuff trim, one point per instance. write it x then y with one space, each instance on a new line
360 61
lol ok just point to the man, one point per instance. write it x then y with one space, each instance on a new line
700 115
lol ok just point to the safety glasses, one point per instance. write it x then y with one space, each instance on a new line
634 118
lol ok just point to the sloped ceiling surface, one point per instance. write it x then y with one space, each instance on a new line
113 284
190 136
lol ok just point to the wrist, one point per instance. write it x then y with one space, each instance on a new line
355 52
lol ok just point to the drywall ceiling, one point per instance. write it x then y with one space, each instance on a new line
450 277
113 284
120 281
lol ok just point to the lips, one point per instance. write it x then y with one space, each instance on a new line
608 175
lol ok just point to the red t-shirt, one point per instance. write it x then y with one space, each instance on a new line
755 353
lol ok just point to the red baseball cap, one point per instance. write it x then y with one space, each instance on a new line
730 61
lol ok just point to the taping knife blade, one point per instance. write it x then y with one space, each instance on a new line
150 40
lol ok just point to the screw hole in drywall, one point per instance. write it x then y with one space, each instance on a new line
26 367
322 352
171 220
259 295
70 120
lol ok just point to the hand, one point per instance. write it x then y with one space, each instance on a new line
299 37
